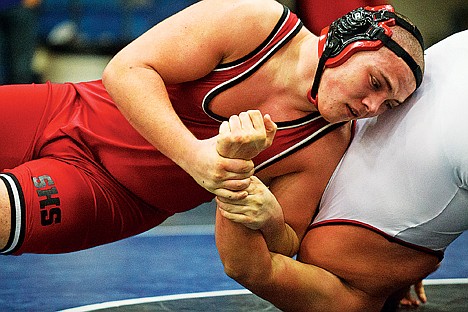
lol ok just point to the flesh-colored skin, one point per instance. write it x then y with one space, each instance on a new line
339 267
137 75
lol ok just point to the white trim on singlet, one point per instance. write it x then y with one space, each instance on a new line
292 148
18 212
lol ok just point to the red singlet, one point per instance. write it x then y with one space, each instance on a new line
79 175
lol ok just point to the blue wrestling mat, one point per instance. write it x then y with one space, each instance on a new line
172 268
443 294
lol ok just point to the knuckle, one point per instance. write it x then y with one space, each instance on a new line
217 176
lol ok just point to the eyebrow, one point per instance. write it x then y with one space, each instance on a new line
389 85
387 81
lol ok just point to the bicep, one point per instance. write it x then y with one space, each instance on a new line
296 286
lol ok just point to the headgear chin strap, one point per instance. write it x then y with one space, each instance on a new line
362 29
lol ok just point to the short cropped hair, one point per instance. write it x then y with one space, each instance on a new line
408 42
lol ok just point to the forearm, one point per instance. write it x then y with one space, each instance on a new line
261 211
243 252
281 238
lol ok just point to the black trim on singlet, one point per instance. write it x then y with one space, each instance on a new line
261 46
253 69
11 246
297 122
306 142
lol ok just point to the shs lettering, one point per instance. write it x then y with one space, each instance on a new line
49 200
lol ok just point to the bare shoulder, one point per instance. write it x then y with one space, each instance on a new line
207 33
232 14
245 23
246 8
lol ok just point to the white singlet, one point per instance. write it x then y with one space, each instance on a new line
405 174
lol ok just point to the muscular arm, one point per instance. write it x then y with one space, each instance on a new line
282 211
185 47
245 136
260 210
288 284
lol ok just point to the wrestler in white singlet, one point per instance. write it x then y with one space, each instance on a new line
405 174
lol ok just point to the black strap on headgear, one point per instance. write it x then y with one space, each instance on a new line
368 26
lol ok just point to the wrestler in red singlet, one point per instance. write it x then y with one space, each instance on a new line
79 175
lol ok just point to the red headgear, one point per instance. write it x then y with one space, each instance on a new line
362 29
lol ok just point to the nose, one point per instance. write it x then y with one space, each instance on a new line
372 103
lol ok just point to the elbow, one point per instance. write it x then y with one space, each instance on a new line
107 74
248 277
115 72
234 273
241 277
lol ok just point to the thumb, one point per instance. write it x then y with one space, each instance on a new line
270 125
270 128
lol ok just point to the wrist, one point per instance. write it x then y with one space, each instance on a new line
183 150
281 238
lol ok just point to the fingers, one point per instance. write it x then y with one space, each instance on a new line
246 122
270 125
270 129
235 123
234 217
252 185
254 191
231 182
239 214
244 168
251 119
231 203
255 119
420 292
409 301
231 195
245 135
232 177
235 185
224 128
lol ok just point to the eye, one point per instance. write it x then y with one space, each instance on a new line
392 104
375 83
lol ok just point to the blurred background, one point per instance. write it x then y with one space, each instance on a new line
72 40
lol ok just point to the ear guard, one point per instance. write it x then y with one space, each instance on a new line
363 29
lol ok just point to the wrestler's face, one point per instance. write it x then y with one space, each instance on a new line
366 85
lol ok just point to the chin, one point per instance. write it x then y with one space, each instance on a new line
330 118
327 113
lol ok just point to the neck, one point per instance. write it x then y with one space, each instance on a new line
293 71
307 65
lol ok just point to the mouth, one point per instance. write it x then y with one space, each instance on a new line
352 112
